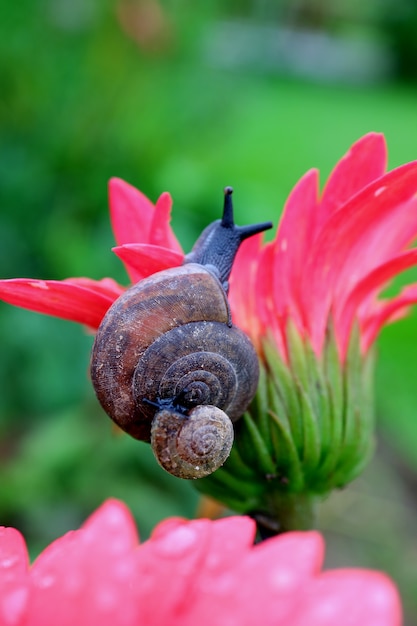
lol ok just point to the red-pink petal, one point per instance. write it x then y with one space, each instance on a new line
294 240
193 562
384 312
144 259
374 281
345 235
88 576
131 213
287 564
136 220
242 293
14 577
80 300
106 286
161 233
364 162
347 598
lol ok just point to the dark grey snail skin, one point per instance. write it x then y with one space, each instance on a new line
167 364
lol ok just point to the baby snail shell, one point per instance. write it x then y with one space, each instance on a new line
169 367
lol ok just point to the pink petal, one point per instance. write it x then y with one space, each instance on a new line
80 300
376 280
106 286
344 237
197 564
386 239
170 560
273 321
136 220
161 233
144 259
242 293
385 312
285 565
347 598
14 577
363 163
87 576
294 240
131 213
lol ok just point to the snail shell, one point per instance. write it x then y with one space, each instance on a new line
154 342
167 364
192 446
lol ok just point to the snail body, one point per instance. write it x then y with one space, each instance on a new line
169 367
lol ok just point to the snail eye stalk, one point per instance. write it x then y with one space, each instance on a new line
218 244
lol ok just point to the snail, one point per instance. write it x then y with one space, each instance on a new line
168 365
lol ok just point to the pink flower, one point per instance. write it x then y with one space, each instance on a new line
189 572
333 255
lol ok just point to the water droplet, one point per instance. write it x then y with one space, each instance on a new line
178 541
9 562
13 606
379 191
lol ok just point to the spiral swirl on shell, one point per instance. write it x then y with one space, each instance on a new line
167 364
192 446
156 350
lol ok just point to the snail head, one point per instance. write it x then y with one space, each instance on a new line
218 244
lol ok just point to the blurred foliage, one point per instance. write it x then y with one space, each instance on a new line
98 88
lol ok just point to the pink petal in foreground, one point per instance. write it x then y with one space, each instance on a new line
286 565
143 259
14 577
80 300
175 557
349 598
88 576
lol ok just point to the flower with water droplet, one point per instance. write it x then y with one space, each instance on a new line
309 300
188 572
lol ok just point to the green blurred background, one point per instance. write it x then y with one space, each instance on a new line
186 97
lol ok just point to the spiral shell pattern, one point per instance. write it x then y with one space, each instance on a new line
194 445
201 363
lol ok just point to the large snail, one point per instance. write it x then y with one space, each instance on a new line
169 367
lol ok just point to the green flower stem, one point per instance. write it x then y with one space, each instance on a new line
292 511
287 511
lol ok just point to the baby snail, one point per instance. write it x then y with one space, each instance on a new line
169 367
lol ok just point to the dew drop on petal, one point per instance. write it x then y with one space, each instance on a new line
45 581
380 600
123 570
284 245
40 284
221 585
379 191
12 607
9 562
283 579
177 542
106 599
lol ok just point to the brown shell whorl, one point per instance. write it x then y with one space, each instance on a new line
146 311
192 446
198 363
